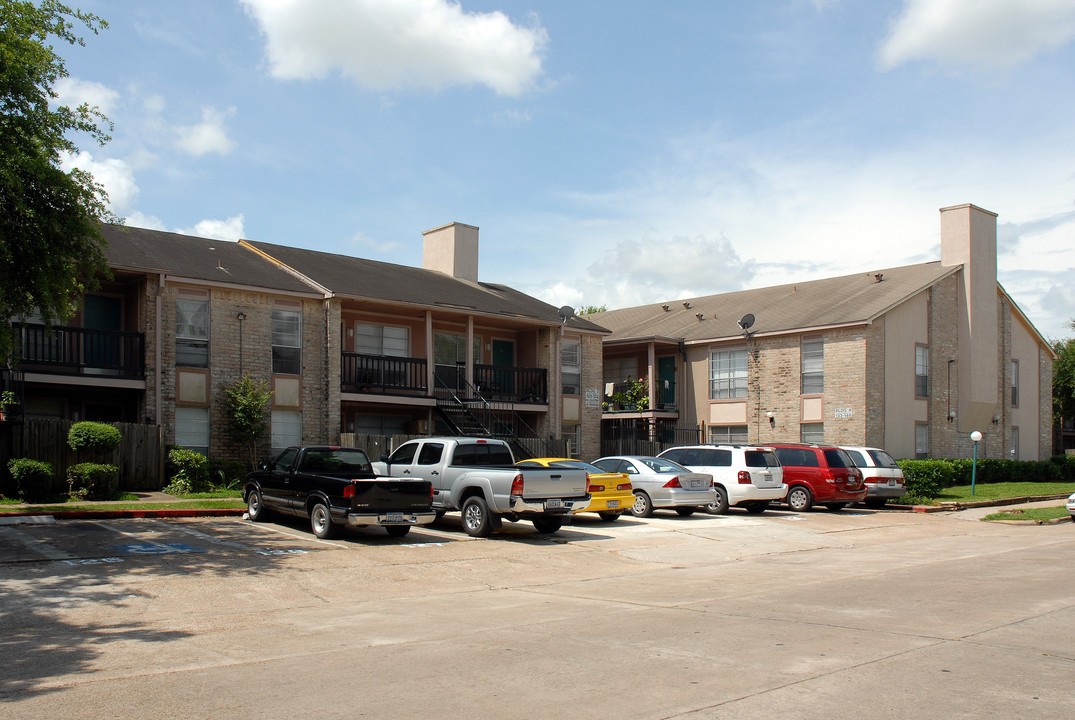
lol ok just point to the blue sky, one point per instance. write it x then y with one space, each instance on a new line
611 153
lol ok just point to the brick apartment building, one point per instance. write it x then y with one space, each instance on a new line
347 344
911 359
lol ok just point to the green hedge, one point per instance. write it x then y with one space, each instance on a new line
33 478
927 478
92 481
93 436
188 472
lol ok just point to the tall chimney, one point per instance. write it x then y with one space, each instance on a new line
969 238
452 249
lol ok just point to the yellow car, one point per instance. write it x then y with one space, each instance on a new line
610 493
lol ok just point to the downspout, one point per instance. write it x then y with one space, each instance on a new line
157 344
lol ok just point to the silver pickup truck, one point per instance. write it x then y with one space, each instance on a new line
478 477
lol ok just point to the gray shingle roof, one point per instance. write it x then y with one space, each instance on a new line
850 299
372 280
154 251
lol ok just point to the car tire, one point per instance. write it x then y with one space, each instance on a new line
836 507
800 499
397 530
685 511
643 506
547 525
721 505
609 516
255 506
875 503
476 519
756 508
321 522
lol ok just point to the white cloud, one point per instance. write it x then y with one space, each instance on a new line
208 136
230 229
114 175
73 92
362 243
394 44
1000 33
141 220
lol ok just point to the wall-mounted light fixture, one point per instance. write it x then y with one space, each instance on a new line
951 415
772 418
996 419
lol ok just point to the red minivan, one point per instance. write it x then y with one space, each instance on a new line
819 474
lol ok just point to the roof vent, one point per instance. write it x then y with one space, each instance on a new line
664 307
878 277
687 304
700 316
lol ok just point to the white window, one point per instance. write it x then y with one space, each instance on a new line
571 368
286 342
1014 452
382 340
727 374
620 369
192 428
286 429
813 366
921 371
573 435
921 441
192 333
1015 383
728 434
812 432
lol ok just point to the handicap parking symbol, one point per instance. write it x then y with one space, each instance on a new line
157 549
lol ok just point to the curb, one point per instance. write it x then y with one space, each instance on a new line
999 503
113 514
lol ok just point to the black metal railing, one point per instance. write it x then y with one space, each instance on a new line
382 374
80 351
468 412
512 384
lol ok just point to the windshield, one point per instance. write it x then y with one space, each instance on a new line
337 460
660 465
883 459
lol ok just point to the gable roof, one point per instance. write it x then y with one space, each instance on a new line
363 279
848 300
195 258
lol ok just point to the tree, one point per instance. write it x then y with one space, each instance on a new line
247 400
51 248
1064 379
590 309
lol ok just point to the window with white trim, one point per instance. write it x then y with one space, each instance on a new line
382 340
812 370
727 374
620 369
728 434
1015 383
286 429
191 333
812 432
571 367
287 341
192 428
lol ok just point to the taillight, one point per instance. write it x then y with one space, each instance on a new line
744 477
597 488
673 483
623 486
349 490
827 476
517 485
430 491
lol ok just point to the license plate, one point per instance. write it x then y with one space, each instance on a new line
395 517
892 482
554 504
613 504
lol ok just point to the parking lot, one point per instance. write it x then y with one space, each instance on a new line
854 614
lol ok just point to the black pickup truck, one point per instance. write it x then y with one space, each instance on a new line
336 486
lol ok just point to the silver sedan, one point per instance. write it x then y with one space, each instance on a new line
660 483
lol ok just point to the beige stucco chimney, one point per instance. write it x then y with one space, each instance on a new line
452 249
969 238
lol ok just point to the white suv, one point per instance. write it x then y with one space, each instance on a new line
745 476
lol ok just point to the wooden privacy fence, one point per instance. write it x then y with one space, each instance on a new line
140 455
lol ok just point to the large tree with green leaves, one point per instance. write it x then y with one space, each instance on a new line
51 248
1064 378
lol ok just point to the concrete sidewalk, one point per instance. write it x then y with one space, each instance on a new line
977 513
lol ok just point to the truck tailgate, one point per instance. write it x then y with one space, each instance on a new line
384 494
541 483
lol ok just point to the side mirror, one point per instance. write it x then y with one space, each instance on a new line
263 465
384 458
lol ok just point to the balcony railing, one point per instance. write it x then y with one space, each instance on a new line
512 384
383 374
80 351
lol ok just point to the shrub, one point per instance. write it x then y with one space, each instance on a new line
93 436
227 473
189 471
926 478
33 478
1065 465
92 481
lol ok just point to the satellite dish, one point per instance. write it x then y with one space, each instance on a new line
565 313
746 322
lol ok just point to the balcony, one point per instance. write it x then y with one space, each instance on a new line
382 374
80 351
618 401
512 384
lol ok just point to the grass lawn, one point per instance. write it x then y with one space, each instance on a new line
1000 491
1031 514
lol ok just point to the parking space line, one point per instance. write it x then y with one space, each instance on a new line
40 547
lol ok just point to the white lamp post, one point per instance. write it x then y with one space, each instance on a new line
976 437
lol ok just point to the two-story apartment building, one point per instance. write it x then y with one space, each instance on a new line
347 345
911 359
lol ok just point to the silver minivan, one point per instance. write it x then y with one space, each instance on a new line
881 473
